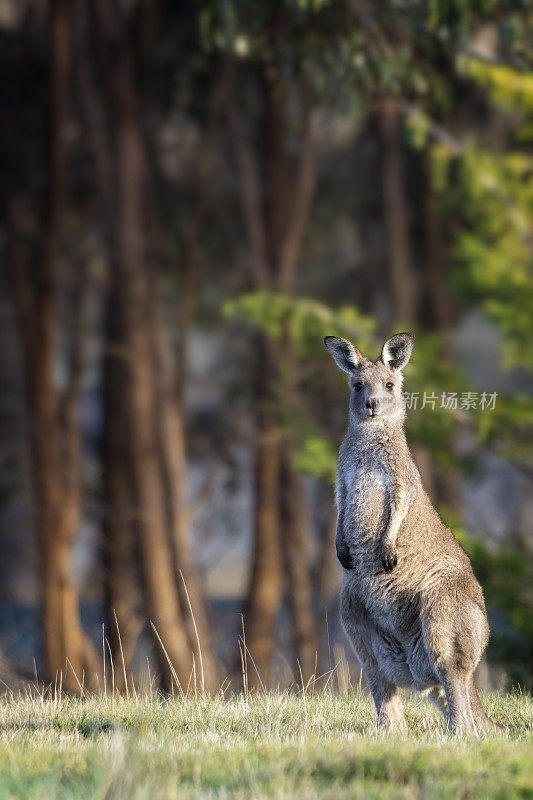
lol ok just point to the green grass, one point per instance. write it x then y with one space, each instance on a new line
275 745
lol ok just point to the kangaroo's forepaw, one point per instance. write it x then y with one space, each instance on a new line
389 558
343 554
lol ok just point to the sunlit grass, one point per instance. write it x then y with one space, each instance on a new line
268 745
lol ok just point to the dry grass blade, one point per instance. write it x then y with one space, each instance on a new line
253 664
122 656
170 664
112 671
197 637
104 659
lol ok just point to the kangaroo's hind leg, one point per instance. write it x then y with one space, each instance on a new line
387 700
460 718
453 637
360 630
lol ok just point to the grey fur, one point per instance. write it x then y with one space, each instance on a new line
410 604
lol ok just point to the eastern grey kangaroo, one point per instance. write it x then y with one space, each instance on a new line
410 604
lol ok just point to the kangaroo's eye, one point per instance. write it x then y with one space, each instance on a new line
389 385
358 386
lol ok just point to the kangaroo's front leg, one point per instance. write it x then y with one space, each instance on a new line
399 505
343 551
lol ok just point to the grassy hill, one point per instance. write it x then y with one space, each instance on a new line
275 745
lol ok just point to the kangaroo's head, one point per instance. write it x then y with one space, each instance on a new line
375 386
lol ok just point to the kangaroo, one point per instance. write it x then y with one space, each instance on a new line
410 605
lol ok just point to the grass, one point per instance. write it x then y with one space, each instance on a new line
269 745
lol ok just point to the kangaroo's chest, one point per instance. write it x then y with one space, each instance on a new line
367 501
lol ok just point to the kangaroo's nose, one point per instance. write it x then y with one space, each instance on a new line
371 404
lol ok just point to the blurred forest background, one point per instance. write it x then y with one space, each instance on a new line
194 194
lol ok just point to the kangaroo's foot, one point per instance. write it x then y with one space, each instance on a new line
483 723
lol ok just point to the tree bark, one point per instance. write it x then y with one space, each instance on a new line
297 563
249 188
265 588
439 306
132 288
399 267
295 528
122 595
193 236
172 449
304 188
141 410
446 485
171 382
54 424
120 528
264 593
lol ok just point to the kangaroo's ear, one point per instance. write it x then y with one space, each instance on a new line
346 356
397 350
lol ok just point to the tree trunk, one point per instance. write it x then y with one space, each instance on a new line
437 295
275 212
447 485
120 559
399 268
141 410
121 585
265 588
193 235
173 459
54 425
297 562
296 530
171 378
131 285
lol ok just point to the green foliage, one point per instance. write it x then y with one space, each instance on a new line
430 376
306 321
317 456
488 193
491 194
493 249
507 429
303 323
509 87
358 51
